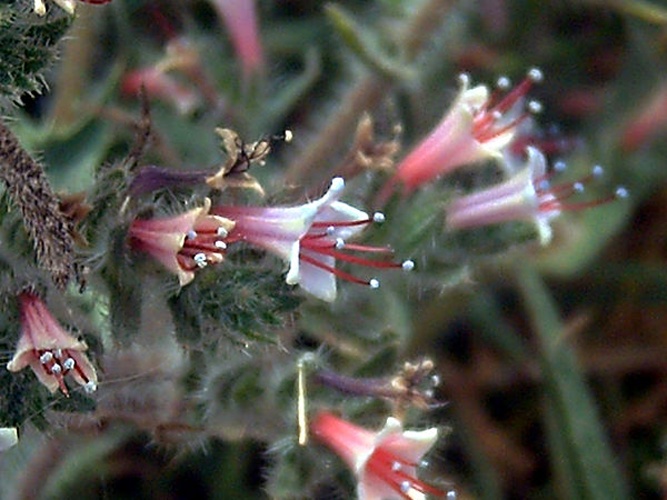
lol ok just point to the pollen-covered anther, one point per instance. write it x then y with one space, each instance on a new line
535 107
200 260
408 265
374 283
621 192
503 83
536 75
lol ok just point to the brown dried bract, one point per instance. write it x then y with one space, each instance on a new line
240 156
368 154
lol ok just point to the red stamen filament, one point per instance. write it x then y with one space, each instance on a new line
63 370
389 468
487 117
336 272
332 251
352 223
573 207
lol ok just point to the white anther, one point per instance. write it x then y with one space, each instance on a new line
68 364
504 83
330 230
378 217
406 486
536 75
497 115
622 192
288 135
560 166
220 245
535 107
191 234
396 466
464 79
89 387
543 185
451 495
408 265
578 187
58 353
423 464
56 369
222 232
340 243
429 393
374 283
598 171
46 357
200 259
435 380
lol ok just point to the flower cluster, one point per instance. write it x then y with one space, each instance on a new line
309 237
483 125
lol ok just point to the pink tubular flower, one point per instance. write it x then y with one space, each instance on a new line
240 19
527 195
385 462
477 126
183 243
310 238
50 351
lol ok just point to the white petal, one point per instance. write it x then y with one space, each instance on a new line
8 438
319 282
294 274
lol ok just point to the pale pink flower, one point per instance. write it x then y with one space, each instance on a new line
385 463
183 243
527 195
240 19
49 350
477 127
310 238
160 85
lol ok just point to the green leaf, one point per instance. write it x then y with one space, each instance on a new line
580 451
365 46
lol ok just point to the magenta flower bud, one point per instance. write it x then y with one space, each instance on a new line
49 350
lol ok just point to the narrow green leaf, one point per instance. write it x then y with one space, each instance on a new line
581 452
360 40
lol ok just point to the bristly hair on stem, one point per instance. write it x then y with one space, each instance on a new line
30 191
